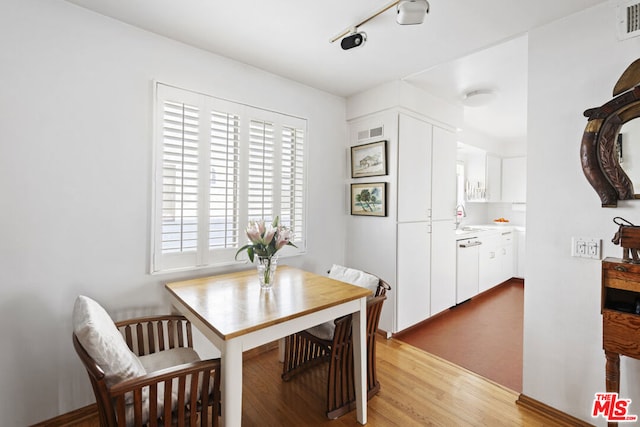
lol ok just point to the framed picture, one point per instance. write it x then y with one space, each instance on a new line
369 159
369 199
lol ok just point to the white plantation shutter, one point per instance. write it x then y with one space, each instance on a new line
219 164
224 227
179 177
292 184
261 171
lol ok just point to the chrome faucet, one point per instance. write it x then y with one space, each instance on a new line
460 213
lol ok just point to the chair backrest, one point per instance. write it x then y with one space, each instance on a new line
358 278
382 289
374 304
145 335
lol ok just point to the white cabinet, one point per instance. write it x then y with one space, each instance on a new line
421 198
413 290
443 175
483 262
467 269
426 201
483 175
443 266
514 180
520 253
414 169
443 207
475 167
507 258
494 178
497 259
490 267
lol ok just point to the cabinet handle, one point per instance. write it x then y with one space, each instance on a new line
620 268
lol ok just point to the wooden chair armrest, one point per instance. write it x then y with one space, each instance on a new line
189 389
164 375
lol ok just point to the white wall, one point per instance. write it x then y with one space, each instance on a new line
573 65
75 113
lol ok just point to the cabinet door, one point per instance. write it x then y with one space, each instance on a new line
514 180
490 267
413 275
414 169
443 265
520 253
508 266
507 258
494 178
443 175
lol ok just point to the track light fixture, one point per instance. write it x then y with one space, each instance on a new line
408 12
354 39
411 12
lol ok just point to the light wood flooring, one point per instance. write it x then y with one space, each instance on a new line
418 389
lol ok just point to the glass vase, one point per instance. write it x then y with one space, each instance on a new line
267 271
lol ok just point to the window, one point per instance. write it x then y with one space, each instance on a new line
218 165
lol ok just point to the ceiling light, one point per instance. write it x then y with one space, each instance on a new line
478 98
411 12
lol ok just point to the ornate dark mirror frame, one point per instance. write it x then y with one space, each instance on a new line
598 149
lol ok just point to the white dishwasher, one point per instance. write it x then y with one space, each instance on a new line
467 255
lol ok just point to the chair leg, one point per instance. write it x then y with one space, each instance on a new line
341 395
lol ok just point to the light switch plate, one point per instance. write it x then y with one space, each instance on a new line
586 247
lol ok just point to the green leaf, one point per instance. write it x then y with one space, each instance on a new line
245 247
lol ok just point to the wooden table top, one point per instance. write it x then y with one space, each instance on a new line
233 304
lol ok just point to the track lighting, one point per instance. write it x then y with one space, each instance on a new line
408 12
353 40
411 12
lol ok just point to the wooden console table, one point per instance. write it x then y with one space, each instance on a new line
620 323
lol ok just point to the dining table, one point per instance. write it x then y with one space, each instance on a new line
236 315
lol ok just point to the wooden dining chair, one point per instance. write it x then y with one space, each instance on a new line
144 371
332 342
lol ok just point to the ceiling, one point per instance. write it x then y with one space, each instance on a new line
445 55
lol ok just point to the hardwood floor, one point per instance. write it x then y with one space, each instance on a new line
417 389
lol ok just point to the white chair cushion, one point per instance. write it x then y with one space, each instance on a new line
103 342
355 277
325 330
168 358
156 362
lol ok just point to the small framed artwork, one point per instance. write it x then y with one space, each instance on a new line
369 199
369 159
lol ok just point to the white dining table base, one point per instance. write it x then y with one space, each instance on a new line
231 350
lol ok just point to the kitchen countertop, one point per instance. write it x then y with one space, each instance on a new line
477 230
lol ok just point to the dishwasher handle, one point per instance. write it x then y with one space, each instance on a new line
470 244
